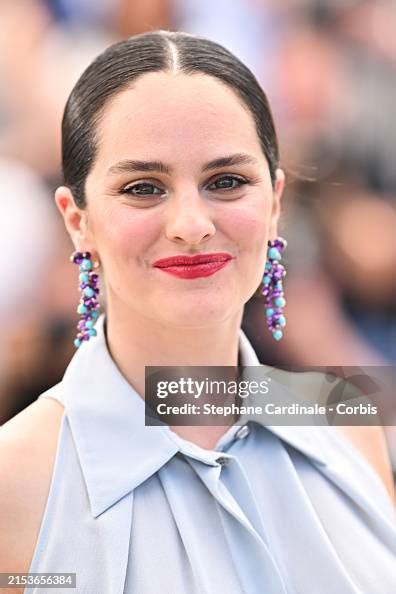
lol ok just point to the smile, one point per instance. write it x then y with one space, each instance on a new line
190 267
196 270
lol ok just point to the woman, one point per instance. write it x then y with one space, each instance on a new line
169 149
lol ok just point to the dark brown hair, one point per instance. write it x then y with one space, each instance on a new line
122 63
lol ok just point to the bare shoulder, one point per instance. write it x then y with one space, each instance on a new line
28 444
371 442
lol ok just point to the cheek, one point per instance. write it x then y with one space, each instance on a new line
247 225
127 232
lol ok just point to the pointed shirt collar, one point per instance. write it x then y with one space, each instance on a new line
117 452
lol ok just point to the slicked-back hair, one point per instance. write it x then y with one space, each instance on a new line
116 68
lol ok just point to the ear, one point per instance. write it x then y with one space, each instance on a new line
276 207
75 219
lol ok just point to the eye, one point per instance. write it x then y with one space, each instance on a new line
143 189
149 189
228 182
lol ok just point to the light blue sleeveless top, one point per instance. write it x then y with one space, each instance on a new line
271 510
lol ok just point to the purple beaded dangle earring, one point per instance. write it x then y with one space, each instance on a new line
88 307
273 287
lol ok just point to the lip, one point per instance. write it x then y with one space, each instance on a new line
183 260
190 267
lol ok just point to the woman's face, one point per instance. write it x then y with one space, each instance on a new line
137 214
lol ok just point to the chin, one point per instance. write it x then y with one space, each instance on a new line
200 312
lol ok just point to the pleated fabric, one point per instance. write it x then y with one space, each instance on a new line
271 509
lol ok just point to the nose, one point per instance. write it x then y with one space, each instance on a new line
188 219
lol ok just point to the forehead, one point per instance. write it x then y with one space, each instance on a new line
165 112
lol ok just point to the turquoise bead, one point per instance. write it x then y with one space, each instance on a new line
277 334
89 292
269 312
92 332
268 266
266 280
282 321
77 343
84 277
280 302
279 284
95 314
82 309
86 265
89 324
274 254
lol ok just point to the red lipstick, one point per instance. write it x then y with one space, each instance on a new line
193 266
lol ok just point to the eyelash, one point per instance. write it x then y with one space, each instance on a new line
241 181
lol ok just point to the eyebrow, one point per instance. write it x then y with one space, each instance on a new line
130 166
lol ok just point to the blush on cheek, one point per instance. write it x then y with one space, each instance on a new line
246 225
132 227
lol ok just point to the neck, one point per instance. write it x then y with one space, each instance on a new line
135 342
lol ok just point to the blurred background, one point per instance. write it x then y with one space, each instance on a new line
329 70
